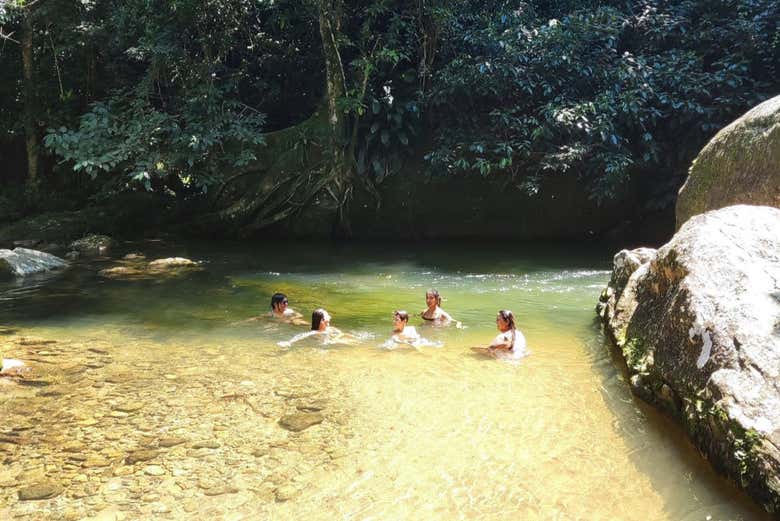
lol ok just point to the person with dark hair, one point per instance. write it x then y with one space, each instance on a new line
509 344
320 325
280 309
434 314
320 320
402 332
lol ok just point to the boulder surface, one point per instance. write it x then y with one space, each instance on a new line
21 262
698 323
740 165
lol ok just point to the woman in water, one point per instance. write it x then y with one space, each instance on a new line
434 314
320 325
509 344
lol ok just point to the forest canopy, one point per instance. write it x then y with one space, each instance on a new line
189 97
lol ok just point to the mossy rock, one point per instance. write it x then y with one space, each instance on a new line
740 165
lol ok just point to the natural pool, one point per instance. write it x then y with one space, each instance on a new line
156 399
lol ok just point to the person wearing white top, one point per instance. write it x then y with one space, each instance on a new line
509 344
320 326
402 332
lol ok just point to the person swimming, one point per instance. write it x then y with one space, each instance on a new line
434 314
402 332
320 325
280 308
11 367
510 343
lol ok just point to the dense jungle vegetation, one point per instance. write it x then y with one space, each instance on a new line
247 112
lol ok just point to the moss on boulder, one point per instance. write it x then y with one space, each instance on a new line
740 165
697 323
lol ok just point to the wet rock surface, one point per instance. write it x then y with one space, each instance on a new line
136 267
117 437
93 245
21 262
697 323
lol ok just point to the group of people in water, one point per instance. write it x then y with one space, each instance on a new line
508 344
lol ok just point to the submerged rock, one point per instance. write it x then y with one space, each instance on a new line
697 323
137 268
141 455
297 422
740 165
40 491
21 262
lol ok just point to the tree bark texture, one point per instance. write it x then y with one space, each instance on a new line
335 88
30 131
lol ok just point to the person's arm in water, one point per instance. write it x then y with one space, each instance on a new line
446 318
299 336
337 336
502 342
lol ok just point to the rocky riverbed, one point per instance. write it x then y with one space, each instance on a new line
90 433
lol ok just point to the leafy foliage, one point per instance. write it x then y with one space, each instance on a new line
173 95
604 92
194 144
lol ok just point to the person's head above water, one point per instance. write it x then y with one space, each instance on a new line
400 318
320 320
432 298
505 320
278 302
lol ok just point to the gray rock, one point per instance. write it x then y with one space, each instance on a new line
699 327
21 262
740 165
297 422
40 491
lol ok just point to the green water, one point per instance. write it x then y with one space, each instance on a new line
172 365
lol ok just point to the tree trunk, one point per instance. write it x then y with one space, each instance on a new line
335 82
335 88
30 131
429 36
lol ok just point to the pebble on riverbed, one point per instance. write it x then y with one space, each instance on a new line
297 422
40 491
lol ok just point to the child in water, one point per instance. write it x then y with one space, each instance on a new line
402 332
320 325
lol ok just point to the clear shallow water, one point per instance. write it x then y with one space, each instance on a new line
438 433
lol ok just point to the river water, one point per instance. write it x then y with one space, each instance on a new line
160 398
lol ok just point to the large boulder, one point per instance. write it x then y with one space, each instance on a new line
740 165
698 323
21 262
